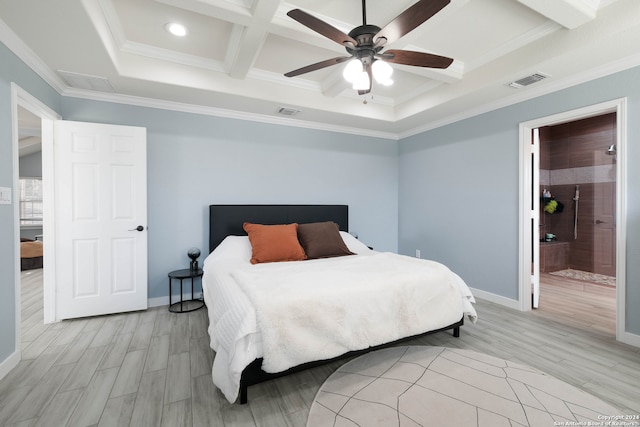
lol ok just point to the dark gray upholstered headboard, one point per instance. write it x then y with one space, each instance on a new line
227 220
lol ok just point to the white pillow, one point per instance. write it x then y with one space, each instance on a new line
232 248
354 245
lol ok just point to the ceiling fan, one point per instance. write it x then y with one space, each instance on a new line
365 43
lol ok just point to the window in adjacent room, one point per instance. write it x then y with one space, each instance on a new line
30 201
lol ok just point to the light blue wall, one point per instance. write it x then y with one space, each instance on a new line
12 70
31 165
458 189
196 160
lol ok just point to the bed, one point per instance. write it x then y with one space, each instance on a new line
30 254
270 319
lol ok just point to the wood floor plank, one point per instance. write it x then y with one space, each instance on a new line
94 398
129 375
116 351
117 412
179 336
11 400
158 356
42 365
59 410
148 408
107 332
142 336
206 402
40 395
85 368
177 414
201 356
178 378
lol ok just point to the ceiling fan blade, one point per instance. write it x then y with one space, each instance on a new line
321 27
370 72
418 59
318 65
410 19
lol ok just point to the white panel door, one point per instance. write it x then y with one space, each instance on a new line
101 217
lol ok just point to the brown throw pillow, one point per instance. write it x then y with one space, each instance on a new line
322 240
273 243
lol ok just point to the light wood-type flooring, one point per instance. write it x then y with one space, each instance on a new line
154 367
579 303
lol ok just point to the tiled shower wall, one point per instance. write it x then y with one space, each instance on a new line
573 154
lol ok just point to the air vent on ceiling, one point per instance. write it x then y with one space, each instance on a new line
526 81
286 111
87 82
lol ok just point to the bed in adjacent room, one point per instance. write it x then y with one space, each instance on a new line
31 254
287 287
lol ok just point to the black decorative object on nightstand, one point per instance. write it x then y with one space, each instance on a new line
184 306
194 253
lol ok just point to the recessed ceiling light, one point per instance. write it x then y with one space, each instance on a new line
176 29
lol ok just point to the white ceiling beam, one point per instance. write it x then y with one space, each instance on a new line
223 10
568 13
334 84
253 38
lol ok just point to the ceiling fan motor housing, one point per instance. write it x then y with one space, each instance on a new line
365 50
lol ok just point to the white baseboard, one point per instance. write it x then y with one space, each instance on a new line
9 363
629 338
498 299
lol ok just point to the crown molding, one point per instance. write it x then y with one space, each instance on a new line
551 87
219 112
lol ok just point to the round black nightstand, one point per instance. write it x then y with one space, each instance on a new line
183 305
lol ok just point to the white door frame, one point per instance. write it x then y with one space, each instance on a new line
619 106
20 97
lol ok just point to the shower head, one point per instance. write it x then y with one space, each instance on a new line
611 150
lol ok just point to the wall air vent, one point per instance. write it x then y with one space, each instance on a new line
529 80
87 82
286 111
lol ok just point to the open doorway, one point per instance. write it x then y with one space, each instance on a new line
532 202
33 113
577 229
30 208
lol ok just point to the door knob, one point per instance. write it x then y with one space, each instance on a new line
600 222
138 228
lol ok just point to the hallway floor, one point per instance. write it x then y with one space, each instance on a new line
578 303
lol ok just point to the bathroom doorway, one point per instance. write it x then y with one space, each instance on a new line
532 202
577 230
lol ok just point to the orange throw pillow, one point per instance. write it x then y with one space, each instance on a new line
274 243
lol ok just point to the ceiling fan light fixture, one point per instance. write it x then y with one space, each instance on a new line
382 72
365 43
352 70
362 82
176 29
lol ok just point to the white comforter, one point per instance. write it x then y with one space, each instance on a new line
295 312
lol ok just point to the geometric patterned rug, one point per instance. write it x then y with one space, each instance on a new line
439 386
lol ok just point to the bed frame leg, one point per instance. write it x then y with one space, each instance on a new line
456 331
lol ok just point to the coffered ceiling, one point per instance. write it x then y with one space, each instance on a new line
233 59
